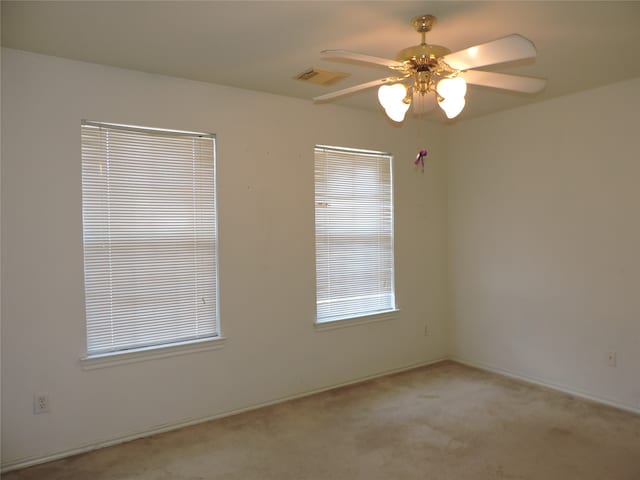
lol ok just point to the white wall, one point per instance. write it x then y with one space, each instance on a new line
545 236
265 173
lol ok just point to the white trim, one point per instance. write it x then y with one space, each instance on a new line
353 321
151 130
91 362
551 385
360 151
31 461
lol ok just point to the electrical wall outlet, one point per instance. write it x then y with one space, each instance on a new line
40 403
612 359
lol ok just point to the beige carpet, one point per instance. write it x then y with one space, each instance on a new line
446 422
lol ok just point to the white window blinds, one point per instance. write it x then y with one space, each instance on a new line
354 233
149 229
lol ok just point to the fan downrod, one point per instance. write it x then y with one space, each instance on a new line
423 56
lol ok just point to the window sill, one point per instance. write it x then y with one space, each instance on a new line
92 362
353 321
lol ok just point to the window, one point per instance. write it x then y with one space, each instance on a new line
149 231
354 233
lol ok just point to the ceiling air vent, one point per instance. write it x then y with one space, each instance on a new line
321 77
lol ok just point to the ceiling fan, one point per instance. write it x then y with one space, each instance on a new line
428 74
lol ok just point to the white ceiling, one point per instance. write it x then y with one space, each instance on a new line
263 45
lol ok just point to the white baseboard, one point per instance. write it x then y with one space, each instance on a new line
31 461
545 383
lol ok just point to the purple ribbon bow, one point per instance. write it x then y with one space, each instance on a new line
420 158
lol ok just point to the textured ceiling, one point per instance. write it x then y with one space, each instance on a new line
263 45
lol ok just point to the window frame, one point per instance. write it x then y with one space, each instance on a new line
177 346
363 317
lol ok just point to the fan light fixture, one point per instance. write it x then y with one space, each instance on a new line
452 106
451 92
426 75
396 100
393 99
452 87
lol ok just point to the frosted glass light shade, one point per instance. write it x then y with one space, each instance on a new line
452 106
452 87
397 112
391 97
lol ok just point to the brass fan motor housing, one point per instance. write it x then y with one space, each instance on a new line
423 57
421 53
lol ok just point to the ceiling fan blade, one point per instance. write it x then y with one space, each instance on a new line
506 82
510 48
355 88
360 57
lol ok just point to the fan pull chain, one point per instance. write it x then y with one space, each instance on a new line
420 159
422 153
